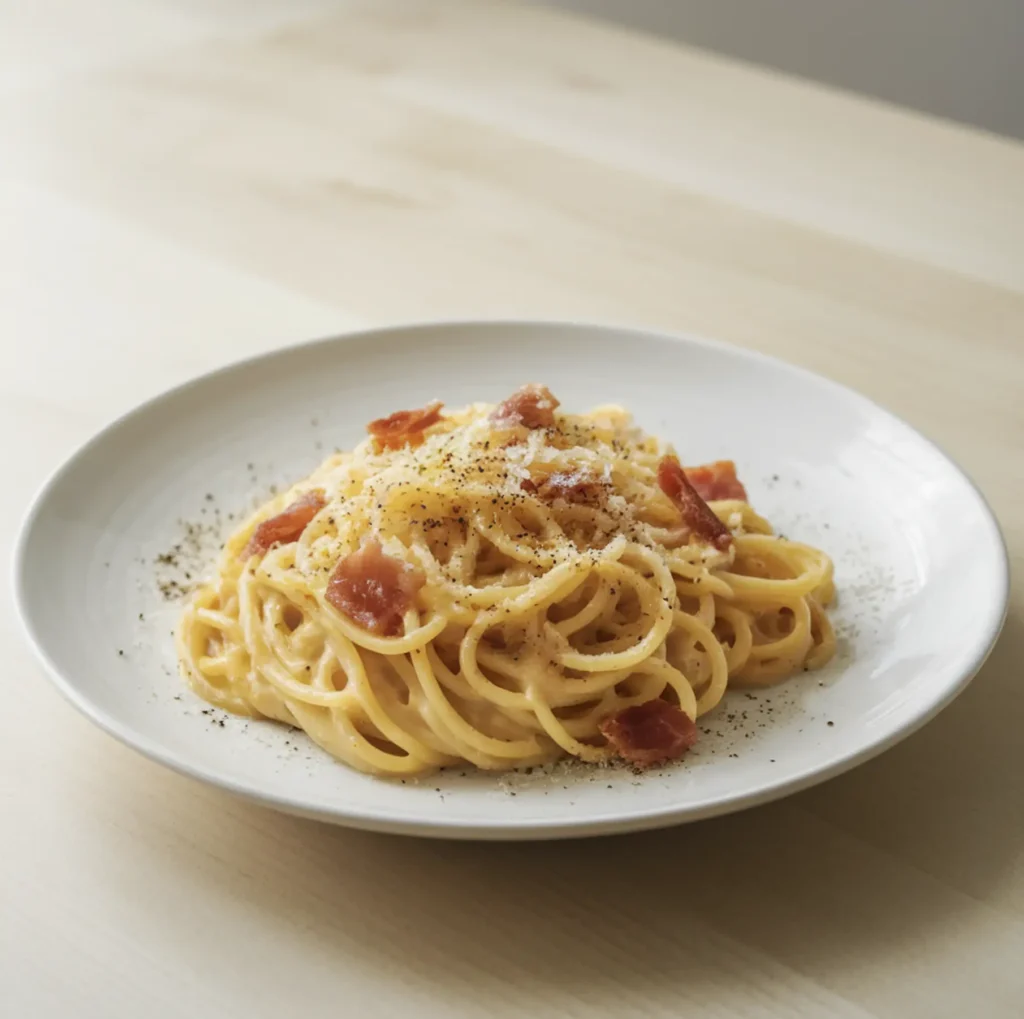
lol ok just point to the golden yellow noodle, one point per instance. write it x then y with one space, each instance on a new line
539 617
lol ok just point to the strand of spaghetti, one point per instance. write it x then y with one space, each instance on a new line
745 517
766 667
706 610
736 653
287 650
463 561
415 637
262 664
810 569
558 583
687 563
351 662
353 747
453 720
596 606
197 681
557 732
220 621
568 691
793 644
707 584
454 682
445 592
679 683
500 528
656 605
825 646
406 714
719 665
224 664
519 717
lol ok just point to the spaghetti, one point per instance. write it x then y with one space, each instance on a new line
503 586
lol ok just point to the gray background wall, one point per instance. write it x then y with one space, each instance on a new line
961 59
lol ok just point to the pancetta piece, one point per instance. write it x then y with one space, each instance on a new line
531 406
287 526
404 427
373 589
696 513
650 733
716 481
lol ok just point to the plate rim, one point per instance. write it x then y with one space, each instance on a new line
424 825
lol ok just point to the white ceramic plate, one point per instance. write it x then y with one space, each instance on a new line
921 568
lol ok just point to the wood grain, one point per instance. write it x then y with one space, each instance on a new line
183 183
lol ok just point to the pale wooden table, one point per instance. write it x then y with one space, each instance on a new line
186 181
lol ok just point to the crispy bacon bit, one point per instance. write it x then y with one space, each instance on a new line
697 515
373 589
579 485
716 481
404 427
531 406
287 526
650 733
